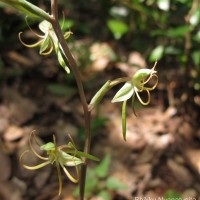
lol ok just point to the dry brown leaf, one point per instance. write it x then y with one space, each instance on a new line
12 137
5 167
9 190
181 173
193 156
20 109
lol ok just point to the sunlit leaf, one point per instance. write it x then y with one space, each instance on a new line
117 27
157 53
163 4
119 11
195 18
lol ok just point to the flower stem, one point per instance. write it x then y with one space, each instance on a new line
73 67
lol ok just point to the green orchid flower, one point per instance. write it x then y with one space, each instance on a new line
62 156
48 42
133 88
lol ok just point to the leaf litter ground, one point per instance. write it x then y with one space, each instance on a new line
162 149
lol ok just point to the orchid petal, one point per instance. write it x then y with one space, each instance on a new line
36 34
36 166
71 178
154 85
33 150
152 73
133 109
141 101
29 45
32 167
59 177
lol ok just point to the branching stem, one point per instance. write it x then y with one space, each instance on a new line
73 67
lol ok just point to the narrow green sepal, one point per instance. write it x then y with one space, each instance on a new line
60 59
124 119
82 154
86 155
44 45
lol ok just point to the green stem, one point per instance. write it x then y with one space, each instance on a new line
28 8
104 89
73 67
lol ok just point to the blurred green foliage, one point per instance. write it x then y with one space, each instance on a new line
172 194
99 183
163 30
159 29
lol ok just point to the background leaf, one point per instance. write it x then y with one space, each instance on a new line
104 195
172 194
114 184
117 27
102 169
60 89
157 53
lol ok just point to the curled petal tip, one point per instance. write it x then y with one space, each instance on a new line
29 45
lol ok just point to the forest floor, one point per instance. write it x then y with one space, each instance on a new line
162 150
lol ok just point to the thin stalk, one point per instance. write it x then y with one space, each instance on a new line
73 67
